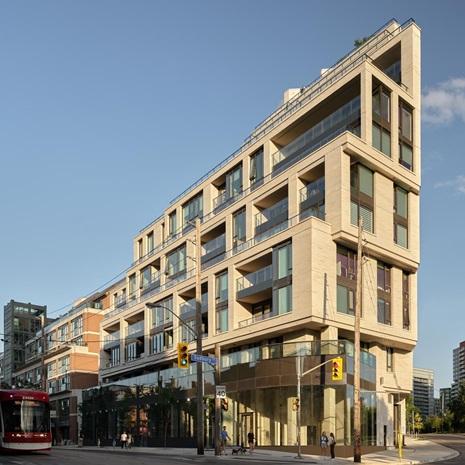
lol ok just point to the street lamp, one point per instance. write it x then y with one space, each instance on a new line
197 336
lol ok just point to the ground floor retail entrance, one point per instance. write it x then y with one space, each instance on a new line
159 408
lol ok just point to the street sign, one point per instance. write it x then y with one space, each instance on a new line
221 392
204 359
53 413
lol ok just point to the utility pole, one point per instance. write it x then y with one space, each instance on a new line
217 400
358 311
198 324
42 359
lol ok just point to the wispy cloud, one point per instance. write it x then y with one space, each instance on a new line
457 184
445 102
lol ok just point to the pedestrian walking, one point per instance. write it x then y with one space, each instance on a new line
332 445
251 441
124 440
129 440
224 440
324 444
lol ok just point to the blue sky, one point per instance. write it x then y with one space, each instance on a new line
101 101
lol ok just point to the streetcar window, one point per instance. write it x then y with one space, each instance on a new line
26 416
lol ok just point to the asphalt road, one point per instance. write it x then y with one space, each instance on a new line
78 457
453 441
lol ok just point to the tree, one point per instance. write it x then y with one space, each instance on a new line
359 42
457 408
412 412
167 400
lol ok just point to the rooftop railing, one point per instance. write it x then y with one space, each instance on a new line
378 39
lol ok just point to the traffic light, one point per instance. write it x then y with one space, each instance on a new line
296 404
336 369
224 404
183 355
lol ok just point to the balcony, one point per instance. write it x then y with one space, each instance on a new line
214 250
256 319
254 284
225 199
152 284
346 118
188 308
136 329
111 339
312 199
271 220
120 301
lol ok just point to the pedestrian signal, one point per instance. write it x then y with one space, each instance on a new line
224 404
183 355
296 404
336 369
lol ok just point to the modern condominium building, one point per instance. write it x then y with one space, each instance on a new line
20 322
279 230
69 363
423 391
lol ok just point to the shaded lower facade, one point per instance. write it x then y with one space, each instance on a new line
159 408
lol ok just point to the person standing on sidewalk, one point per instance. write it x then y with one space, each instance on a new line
251 441
323 444
332 445
124 440
224 440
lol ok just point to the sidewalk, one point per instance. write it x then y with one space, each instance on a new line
417 451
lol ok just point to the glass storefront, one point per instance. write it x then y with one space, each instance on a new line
159 408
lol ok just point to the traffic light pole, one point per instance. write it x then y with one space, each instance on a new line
198 325
300 375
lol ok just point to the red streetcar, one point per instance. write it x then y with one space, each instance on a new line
24 421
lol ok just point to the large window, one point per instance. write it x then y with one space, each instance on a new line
400 216
221 290
282 299
115 356
389 359
176 262
222 287
362 203
239 228
345 299
234 182
150 242
381 130
172 223
384 293
346 267
192 209
283 261
405 300
163 314
405 135
132 285
256 168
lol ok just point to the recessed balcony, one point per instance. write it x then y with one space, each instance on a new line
252 287
136 329
312 199
111 340
271 220
345 118
213 246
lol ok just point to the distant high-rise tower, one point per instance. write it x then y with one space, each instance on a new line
459 363
21 322
423 391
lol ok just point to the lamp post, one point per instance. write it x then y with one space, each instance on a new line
197 336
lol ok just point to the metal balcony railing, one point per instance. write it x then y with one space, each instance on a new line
135 328
272 212
255 278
